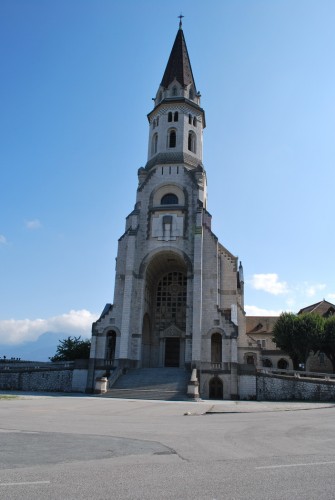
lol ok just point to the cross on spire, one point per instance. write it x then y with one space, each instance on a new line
180 21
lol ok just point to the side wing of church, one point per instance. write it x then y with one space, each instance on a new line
178 297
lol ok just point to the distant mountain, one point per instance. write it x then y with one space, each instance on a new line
38 350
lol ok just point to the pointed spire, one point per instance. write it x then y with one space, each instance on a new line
179 65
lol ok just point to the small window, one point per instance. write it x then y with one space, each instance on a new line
216 348
154 144
190 119
191 142
175 118
194 122
154 124
250 359
172 139
174 91
170 117
169 199
157 121
191 94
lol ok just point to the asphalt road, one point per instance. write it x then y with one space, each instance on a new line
65 447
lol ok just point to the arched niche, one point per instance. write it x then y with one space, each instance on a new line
164 322
215 388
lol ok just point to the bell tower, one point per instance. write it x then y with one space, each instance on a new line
177 120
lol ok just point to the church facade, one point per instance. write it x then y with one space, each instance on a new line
179 293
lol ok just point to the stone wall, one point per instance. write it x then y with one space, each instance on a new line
43 380
247 387
273 387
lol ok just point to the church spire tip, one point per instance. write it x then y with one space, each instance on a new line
180 21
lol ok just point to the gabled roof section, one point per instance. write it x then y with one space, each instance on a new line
178 66
324 308
260 324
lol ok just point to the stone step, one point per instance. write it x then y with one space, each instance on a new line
151 383
146 394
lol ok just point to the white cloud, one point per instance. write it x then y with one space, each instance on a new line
3 239
269 283
16 331
312 289
331 296
33 224
258 311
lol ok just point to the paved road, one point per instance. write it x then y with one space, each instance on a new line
65 447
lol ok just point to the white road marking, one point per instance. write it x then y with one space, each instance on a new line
24 483
293 465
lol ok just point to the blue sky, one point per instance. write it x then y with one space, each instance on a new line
77 81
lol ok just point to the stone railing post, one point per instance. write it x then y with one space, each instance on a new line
100 385
193 385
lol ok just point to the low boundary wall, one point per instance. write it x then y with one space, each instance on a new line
44 377
288 385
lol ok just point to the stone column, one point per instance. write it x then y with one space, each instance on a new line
127 299
197 290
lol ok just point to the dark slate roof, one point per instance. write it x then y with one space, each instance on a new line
106 310
178 65
324 308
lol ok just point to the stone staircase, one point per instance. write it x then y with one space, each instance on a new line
167 384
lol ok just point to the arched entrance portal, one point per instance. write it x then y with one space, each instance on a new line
164 321
215 388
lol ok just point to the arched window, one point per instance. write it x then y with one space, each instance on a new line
250 359
267 363
172 139
174 91
154 144
216 348
175 118
282 364
171 294
194 121
191 142
190 119
170 117
110 347
157 120
169 199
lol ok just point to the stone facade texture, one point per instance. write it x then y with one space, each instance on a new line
178 295
284 388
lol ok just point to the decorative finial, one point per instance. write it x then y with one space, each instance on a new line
180 21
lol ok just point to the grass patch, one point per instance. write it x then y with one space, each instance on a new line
8 396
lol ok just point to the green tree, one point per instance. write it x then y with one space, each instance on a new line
308 335
283 336
298 336
328 340
72 348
